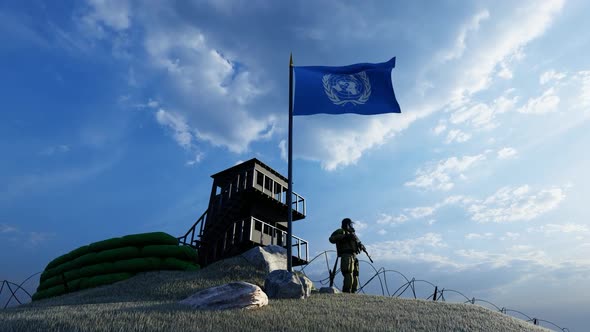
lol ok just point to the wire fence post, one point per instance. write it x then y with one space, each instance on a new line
435 291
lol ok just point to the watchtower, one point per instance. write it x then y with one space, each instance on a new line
247 208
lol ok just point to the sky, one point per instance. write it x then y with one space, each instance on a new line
115 114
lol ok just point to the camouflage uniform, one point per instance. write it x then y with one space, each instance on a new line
347 248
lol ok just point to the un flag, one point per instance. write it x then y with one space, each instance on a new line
362 88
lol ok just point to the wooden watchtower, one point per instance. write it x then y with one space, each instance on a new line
247 208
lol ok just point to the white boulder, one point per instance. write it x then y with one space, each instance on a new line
268 258
229 296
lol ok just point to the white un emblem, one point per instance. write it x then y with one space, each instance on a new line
342 89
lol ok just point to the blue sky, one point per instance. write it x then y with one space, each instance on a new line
116 113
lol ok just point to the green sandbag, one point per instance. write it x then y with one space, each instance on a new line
50 292
113 243
83 250
51 282
107 268
85 260
104 279
58 261
192 267
74 285
67 266
135 265
180 252
92 270
73 275
145 239
44 275
117 254
172 263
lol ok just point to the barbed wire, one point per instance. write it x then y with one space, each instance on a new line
14 292
436 295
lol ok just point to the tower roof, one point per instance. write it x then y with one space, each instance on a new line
244 166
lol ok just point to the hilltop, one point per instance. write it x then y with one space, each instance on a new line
148 302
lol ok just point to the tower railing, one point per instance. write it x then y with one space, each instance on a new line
277 191
266 234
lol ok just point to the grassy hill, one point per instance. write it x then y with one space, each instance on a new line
148 302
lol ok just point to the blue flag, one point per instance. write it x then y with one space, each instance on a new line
362 88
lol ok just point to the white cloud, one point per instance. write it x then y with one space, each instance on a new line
439 176
360 226
514 254
551 75
482 116
510 236
439 129
381 232
385 219
197 159
421 212
505 73
504 43
284 149
506 205
562 228
111 14
506 153
203 79
470 27
545 103
458 136
478 236
177 123
515 204
4 228
341 141
413 250
584 96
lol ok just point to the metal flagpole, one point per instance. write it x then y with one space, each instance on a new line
290 161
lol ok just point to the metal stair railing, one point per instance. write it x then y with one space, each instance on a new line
200 223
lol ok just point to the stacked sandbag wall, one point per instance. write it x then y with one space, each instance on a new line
113 260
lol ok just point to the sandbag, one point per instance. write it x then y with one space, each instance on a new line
180 252
83 250
113 243
135 265
117 254
58 261
85 260
104 279
149 239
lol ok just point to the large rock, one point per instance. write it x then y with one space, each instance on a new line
307 285
269 258
233 295
282 284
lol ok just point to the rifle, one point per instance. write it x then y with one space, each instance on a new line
360 245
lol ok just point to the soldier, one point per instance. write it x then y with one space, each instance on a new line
347 247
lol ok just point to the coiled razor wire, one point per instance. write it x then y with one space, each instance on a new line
14 292
410 284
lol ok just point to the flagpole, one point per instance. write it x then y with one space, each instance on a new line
290 167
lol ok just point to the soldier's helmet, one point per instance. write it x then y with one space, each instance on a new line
347 223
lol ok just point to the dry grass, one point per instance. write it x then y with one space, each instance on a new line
148 302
